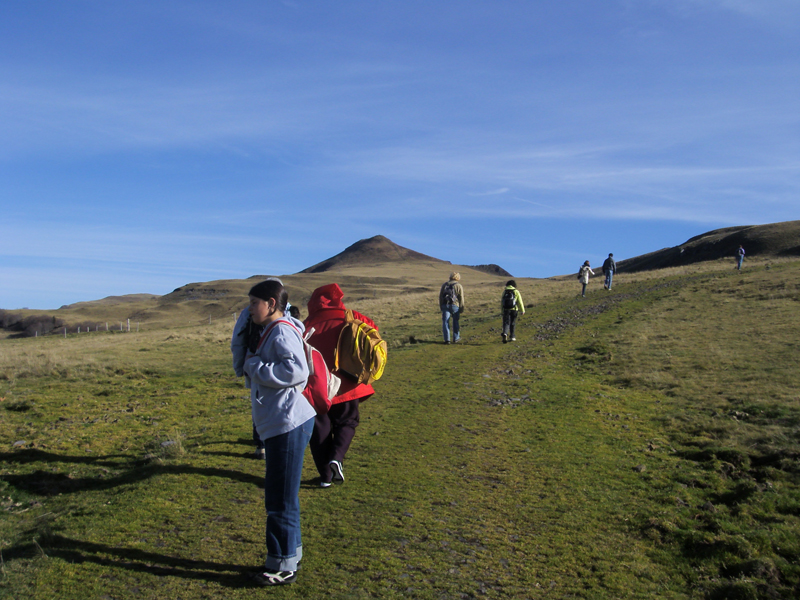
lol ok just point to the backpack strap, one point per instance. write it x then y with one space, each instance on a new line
271 326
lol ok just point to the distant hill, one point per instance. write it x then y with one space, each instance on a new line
493 269
378 249
775 239
126 299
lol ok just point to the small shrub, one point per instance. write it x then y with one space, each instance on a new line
166 448
19 405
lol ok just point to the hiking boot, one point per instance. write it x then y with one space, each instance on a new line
505 338
337 470
261 453
273 577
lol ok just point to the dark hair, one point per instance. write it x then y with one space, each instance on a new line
294 311
271 288
511 282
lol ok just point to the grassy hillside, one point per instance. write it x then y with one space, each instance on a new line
210 301
773 240
639 443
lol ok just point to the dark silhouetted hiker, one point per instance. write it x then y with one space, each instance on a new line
512 305
609 268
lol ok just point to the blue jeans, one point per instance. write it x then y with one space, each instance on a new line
282 496
450 310
739 262
609 277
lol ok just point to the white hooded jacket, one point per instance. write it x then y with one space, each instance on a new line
278 374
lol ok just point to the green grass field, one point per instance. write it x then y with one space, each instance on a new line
639 443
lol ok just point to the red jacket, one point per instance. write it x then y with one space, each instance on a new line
326 316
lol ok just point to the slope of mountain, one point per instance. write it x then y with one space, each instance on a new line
775 239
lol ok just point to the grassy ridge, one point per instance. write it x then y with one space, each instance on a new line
639 443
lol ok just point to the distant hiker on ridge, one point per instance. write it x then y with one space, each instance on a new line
583 276
609 268
739 258
511 303
451 303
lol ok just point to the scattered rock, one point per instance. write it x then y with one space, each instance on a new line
640 468
19 444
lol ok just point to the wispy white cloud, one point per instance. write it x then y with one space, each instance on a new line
496 192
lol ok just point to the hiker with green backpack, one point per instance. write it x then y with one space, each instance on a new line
512 305
353 350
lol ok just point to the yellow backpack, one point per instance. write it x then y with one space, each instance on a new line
360 353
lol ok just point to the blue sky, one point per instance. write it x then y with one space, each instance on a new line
146 145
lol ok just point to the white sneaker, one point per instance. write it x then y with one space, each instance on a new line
337 470
325 484
513 339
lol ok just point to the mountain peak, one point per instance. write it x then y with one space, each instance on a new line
370 251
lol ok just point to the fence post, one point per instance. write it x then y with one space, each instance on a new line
79 328
129 325
106 325
65 332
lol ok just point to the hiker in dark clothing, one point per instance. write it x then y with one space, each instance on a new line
511 303
609 268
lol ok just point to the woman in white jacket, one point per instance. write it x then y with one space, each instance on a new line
284 419
583 275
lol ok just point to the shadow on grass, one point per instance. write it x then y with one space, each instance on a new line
45 483
246 454
22 457
131 559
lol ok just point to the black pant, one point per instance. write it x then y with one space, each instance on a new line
332 435
509 322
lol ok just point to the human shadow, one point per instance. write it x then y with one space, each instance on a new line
31 455
131 559
47 483
247 454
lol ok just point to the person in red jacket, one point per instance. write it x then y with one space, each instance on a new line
334 431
